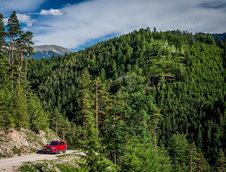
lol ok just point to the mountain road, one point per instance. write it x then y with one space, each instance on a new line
10 164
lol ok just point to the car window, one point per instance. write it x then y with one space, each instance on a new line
53 143
61 143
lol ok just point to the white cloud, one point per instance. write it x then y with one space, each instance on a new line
94 19
5 21
23 18
20 5
54 12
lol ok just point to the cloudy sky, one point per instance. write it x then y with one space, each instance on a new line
76 24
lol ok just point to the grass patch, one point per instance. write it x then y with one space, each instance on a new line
66 168
2 155
17 151
37 167
3 137
63 156
27 168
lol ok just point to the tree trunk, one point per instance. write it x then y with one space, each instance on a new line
190 162
97 109
12 49
155 137
115 158
12 61
20 67
26 67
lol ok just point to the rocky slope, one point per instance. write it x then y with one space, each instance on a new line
17 142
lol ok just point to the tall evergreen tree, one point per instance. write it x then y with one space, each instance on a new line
2 35
141 155
221 162
21 115
179 151
24 46
37 116
14 31
6 97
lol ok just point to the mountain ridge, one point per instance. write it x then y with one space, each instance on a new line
48 51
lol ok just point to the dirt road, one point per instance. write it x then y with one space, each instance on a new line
9 164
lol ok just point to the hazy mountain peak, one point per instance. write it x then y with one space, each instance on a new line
51 48
47 51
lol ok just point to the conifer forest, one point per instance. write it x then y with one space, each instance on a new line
144 101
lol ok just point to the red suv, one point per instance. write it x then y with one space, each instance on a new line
55 146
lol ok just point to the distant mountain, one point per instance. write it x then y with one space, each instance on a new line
47 51
221 36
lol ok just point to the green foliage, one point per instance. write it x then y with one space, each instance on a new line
20 111
221 162
97 162
146 84
179 151
200 163
38 118
13 26
66 168
27 168
142 155
133 114
19 107
2 34
17 151
6 95
195 105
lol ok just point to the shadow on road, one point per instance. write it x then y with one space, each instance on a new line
40 152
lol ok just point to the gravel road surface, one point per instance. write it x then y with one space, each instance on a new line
9 164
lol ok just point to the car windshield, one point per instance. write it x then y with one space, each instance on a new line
53 143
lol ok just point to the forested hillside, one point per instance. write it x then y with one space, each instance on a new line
142 95
145 101
19 107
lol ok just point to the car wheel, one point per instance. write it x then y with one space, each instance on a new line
64 151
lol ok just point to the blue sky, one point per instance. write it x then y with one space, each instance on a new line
76 24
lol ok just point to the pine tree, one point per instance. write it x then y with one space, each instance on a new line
179 152
24 46
141 155
14 31
103 106
90 131
21 115
201 163
38 117
221 162
56 120
224 56
193 158
2 35
6 97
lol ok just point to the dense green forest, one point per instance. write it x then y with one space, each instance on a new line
19 107
145 101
